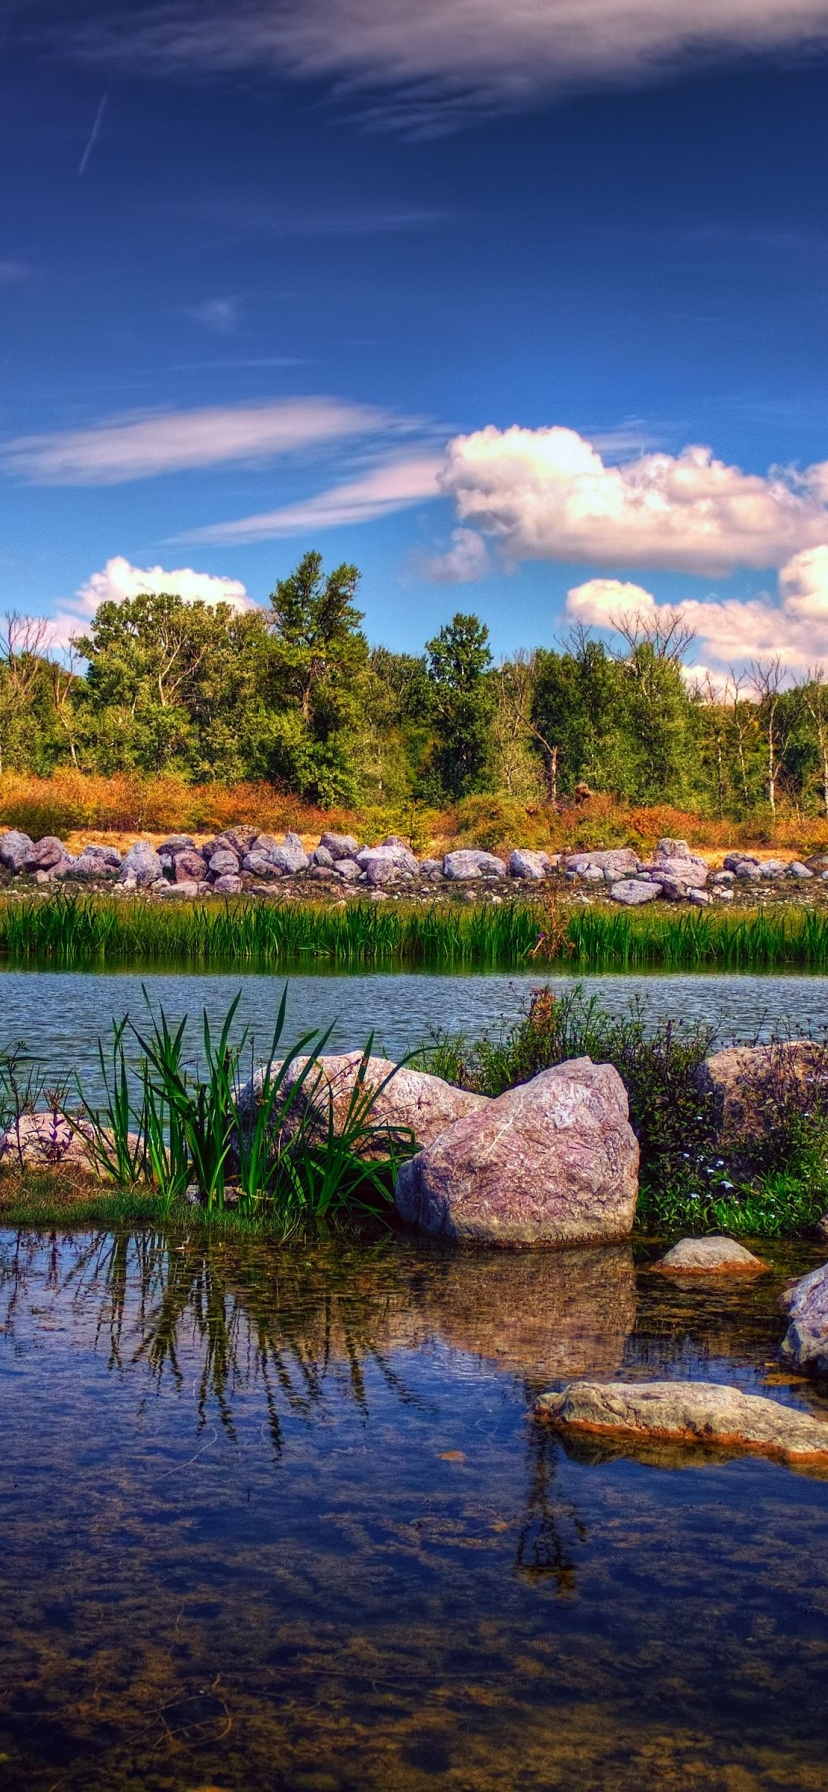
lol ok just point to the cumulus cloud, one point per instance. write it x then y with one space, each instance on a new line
120 580
438 60
546 494
142 446
730 631
467 560
380 492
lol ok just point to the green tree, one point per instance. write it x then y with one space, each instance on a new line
316 681
463 697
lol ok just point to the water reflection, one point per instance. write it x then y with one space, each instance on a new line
276 1522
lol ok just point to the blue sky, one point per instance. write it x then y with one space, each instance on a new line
268 274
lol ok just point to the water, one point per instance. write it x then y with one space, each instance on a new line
61 1014
282 1523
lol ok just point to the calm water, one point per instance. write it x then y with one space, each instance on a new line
282 1522
61 1014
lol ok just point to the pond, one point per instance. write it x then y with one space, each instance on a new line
60 1014
282 1521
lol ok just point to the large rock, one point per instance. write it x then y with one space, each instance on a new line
14 849
261 864
291 856
224 862
533 866
554 1161
340 846
141 865
46 1141
631 892
189 867
412 1103
46 855
469 862
747 1084
618 859
805 1345
176 843
687 1412
714 1256
390 852
88 867
348 870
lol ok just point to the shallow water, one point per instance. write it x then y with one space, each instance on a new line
60 1014
281 1521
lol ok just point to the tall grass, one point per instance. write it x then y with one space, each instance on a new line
85 932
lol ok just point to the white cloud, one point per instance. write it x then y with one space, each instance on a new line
381 492
546 494
119 581
730 631
466 561
142 446
442 58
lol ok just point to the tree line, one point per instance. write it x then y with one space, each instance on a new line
294 695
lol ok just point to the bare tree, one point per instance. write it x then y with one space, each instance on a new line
23 640
517 687
813 695
666 632
766 678
63 675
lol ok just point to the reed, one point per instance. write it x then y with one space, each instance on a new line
85 932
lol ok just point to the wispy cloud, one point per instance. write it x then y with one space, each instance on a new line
218 315
436 61
145 445
385 489
93 135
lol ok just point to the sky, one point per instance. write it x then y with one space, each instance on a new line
520 305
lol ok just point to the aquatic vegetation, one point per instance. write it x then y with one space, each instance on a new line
82 931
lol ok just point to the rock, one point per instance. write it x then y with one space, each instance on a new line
747 870
291 856
818 861
620 859
224 863
186 887
715 1256
189 866
261 864
391 852
431 868
46 854
411 1103
264 843
88 867
687 1412
699 898
671 888
630 892
382 871
805 1344
469 862
379 895
672 849
228 884
732 860
533 866
142 864
47 1141
773 868
821 1228
554 1161
797 869
747 1084
323 872
322 857
340 846
722 879
14 849
592 874
175 844
348 870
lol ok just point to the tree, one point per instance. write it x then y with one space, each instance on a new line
317 666
23 686
462 698
766 678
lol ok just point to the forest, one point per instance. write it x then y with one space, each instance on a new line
294 697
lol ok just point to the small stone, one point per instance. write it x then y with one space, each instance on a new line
797 869
714 1256
699 898
228 884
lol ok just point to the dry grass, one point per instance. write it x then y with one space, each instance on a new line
82 807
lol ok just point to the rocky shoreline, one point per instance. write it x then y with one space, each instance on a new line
244 862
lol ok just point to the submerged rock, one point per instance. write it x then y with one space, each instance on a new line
715 1256
805 1344
554 1161
687 1412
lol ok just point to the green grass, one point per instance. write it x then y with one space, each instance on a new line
85 932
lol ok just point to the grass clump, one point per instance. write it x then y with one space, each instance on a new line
771 1181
